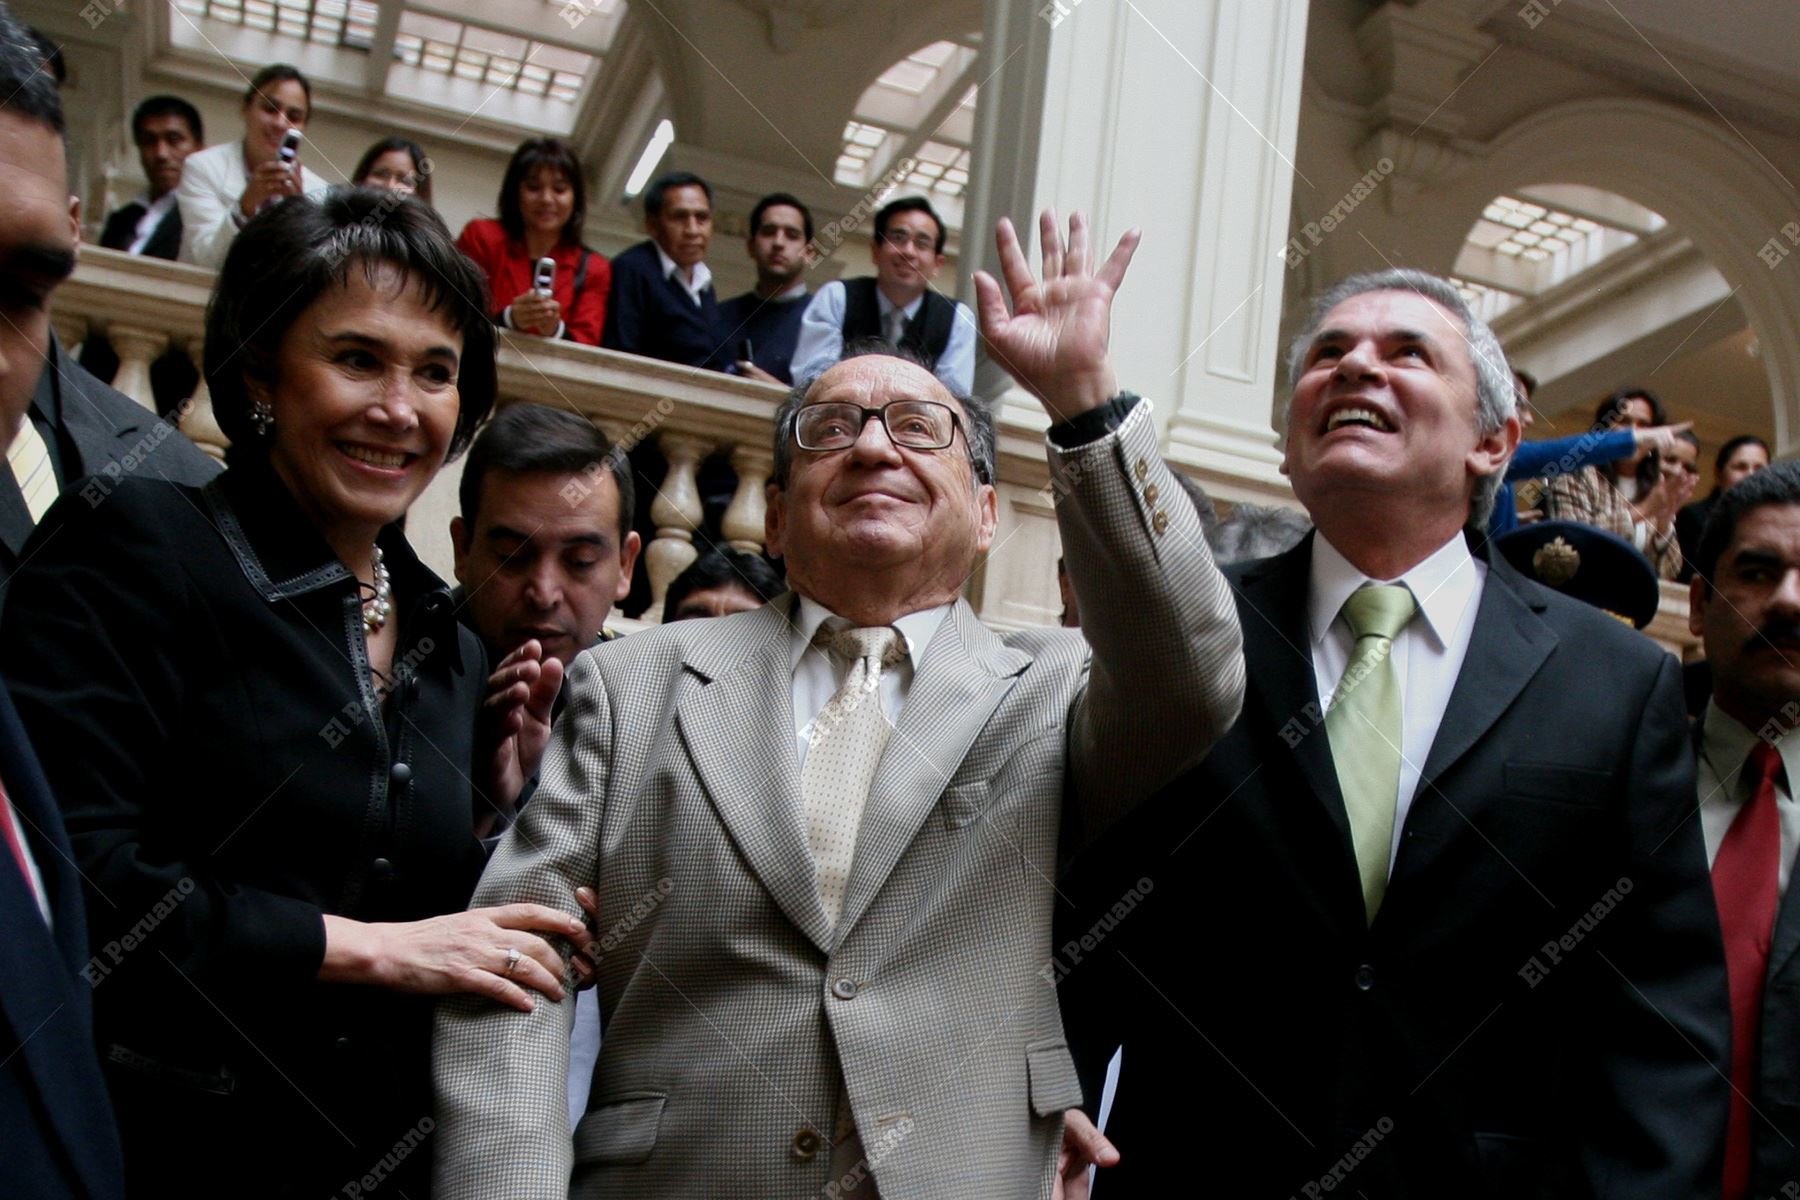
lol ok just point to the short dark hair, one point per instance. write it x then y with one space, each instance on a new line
536 439
776 200
533 153
24 87
722 566
52 54
908 204
1776 484
977 425
1528 379
420 160
1609 414
1732 447
167 106
292 252
653 196
276 73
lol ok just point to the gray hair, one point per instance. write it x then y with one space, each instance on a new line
977 418
1494 397
1258 531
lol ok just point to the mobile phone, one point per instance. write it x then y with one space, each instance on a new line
290 147
545 277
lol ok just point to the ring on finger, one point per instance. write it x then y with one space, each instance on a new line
512 961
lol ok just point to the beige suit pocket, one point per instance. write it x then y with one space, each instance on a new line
1054 1084
623 1131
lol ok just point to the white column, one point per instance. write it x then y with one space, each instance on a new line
743 523
1178 117
677 512
137 348
195 416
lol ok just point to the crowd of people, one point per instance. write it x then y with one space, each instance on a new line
1363 851
654 299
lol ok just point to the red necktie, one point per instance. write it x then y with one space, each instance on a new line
1746 883
9 830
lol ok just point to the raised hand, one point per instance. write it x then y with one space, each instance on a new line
516 719
1054 340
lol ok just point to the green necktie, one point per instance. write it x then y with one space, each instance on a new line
1364 725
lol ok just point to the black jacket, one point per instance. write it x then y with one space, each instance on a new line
190 665
60 1139
98 432
648 313
1539 1008
121 230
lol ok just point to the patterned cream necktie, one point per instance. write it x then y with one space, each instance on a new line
846 742
29 458
1365 725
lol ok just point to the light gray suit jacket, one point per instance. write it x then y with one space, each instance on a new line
733 1010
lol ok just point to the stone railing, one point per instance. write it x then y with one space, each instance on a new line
146 307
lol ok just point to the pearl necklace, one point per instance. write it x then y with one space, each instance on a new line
377 607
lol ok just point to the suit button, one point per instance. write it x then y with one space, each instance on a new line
1365 977
1142 468
844 989
382 869
806 1144
1160 522
343 1045
399 772
1151 493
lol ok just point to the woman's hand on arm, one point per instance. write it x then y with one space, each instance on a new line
458 952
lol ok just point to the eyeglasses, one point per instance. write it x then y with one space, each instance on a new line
914 424
899 239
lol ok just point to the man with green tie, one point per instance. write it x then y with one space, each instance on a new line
1452 917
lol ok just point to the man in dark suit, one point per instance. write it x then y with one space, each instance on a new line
1433 918
59 422
166 129
662 303
1746 605
60 1139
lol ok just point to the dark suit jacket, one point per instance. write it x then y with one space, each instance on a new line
121 230
650 314
1539 1008
60 1140
99 433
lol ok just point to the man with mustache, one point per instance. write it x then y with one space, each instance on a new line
1433 919
1746 605
662 303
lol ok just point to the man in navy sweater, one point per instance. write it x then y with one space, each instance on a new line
763 325
662 303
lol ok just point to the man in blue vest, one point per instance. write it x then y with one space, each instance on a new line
897 305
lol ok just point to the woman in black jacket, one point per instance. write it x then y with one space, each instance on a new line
262 721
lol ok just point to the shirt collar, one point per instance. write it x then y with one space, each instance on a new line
916 628
1726 743
793 292
702 273
885 306
1443 584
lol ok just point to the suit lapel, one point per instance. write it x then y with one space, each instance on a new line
1787 929
1278 662
965 673
1507 647
739 734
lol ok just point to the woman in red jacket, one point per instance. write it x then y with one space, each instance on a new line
542 203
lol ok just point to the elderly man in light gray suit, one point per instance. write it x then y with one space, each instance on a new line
824 925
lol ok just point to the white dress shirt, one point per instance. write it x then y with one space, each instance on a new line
822 337
154 212
1725 747
1427 656
212 183
700 280
818 674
